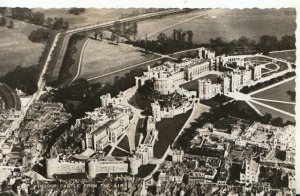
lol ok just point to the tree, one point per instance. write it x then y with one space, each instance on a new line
39 35
11 24
3 21
37 18
190 35
267 43
76 11
162 37
49 22
277 121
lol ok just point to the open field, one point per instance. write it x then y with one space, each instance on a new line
16 49
101 57
287 55
228 23
89 17
274 113
193 85
282 106
278 92
168 129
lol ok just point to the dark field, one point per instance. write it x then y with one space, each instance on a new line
282 106
278 92
274 114
168 129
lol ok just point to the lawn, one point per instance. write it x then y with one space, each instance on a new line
89 17
193 85
274 113
282 106
124 144
168 129
278 92
119 153
226 23
271 66
263 70
102 57
16 49
287 55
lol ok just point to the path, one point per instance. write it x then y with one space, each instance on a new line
282 51
273 108
275 101
126 68
80 60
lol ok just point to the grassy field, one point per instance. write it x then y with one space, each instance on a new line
282 106
16 49
287 55
227 23
101 57
193 85
274 113
89 17
278 92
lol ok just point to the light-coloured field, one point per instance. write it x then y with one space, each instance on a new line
228 24
89 17
102 57
16 49
287 55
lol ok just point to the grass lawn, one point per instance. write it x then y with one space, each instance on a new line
168 129
124 144
193 85
119 153
278 92
271 66
227 23
263 70
282 106
287 55
102 57
274 113
89 17
16 49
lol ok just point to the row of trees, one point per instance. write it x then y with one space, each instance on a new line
125 29
39 18
182 40
179 40
244 45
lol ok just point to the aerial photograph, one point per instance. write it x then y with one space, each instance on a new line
147 101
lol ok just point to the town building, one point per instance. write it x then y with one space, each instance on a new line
250 171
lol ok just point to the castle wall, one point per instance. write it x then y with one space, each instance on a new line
99 167
56 166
